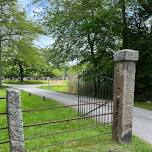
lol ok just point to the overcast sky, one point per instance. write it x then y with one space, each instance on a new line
42 41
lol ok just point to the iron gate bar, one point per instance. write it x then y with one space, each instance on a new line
65 120
93 87
78 96
62 132
95 109
70 141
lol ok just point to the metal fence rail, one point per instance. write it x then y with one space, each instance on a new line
62 132
6 141
64 120
54 134
70 141
55 107
2 98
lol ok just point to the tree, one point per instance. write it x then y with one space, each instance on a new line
13 26
138 36
24 55
82 30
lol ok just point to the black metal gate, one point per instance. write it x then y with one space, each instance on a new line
95 93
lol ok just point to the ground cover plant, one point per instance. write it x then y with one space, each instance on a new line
101 143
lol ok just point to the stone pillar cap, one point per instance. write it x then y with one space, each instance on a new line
126 55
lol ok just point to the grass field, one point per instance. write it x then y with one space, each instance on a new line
101 143
144 105
25 82
60 88
63 86
35 82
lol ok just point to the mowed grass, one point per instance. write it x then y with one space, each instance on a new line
59 88
35 82
25 82
100 143
144 105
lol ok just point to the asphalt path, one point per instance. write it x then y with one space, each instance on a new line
142 119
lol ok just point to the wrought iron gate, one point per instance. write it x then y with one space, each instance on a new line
95 93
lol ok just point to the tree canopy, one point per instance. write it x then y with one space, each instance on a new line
16 35
82 29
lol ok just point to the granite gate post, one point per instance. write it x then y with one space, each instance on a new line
15 121
123 94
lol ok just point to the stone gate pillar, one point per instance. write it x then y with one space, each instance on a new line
123 94
15 122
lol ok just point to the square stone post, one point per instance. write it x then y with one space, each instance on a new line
123 94
15 121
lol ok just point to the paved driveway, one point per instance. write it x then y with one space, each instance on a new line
142 119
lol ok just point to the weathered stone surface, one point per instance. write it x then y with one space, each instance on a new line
126 55
15 122
123 96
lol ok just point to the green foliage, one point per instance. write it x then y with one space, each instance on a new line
16 37
82 30
24 51
147 5
139 37
88 31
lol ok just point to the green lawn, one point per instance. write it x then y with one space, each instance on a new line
101 143
60 88
144 105
66 87
64 82
25 82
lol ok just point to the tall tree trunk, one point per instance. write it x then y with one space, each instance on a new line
91 44
95 66
125 28
21 71
0 60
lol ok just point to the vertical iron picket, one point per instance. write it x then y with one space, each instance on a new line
95 94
